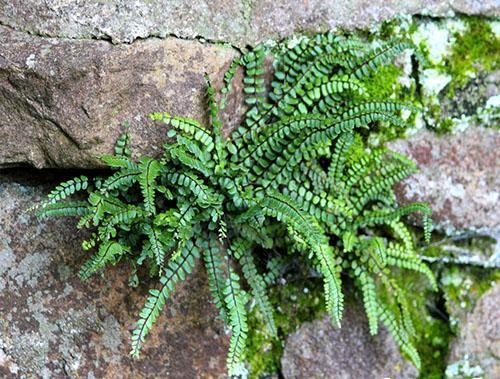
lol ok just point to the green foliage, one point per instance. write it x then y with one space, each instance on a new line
478 45
295 178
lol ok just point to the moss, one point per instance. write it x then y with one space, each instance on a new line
477 49
297 301
465 51
430 321
383 84
463 286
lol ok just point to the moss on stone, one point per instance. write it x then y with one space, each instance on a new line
299 300
477 49
430 321
462 287
460 53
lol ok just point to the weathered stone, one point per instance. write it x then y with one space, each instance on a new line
68 92
238 22
319 350
476 351
458 177
62 102
54 325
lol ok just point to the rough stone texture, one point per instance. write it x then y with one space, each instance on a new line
459 176
239 22
479 340
54 325
319 350
70 74
69 98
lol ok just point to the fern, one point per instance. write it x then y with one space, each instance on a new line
176 271
107 253
235 300
296 177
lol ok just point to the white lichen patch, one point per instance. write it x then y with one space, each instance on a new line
31 61
433 81
493 102
463 369
461 124
435 38
495 26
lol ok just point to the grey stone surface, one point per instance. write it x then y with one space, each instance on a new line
319 350
52 325
477 347
239 22
459 176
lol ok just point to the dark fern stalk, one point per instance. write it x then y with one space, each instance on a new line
218 200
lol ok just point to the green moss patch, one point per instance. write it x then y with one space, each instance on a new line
300 300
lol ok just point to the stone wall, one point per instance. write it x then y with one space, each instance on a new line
71 72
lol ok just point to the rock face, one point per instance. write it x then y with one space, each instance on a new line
477 347
458 176
72 71
54 325
319 350
236 21
69 97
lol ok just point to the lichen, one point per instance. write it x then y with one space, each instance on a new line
461 55
454 80
463 369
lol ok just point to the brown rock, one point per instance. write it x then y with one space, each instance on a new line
67 80
459 177
478 343
54 325
319 350
62 101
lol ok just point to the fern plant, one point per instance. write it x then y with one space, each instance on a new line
295 176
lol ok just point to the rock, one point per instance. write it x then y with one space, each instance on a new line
62 102
476 351
72 71
319 350
54 325
240 23
458 176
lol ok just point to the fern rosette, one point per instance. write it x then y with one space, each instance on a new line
296 175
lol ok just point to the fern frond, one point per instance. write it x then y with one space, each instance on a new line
400 334
338 158
256 283
122 145
119 161
215 266
66 189
235 300
377 57
399 257
157 248
371 305
122 178
189 127
108 251
176 271
285 210
150 169
73 208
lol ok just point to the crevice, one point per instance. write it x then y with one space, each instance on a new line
107 38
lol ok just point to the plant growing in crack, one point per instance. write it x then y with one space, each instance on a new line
295 177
